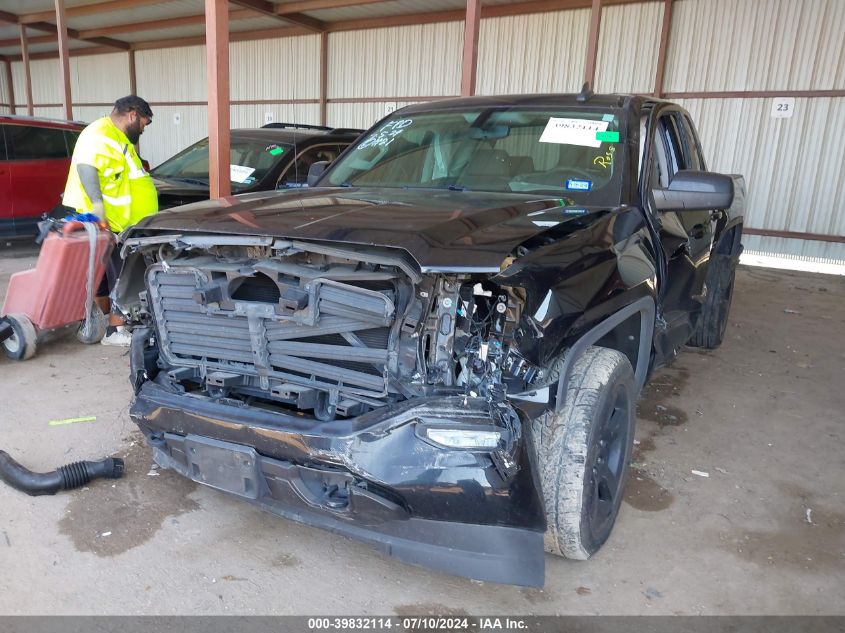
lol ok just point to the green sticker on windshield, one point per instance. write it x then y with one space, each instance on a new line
607 137
276 151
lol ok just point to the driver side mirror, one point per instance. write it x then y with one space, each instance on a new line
316 170
692 190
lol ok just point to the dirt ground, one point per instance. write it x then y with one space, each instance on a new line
763 533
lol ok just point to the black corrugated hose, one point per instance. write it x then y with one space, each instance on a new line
63 478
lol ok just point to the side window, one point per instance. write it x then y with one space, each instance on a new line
676 149
667 154
296 174
695 157
33 143
70 139
3 154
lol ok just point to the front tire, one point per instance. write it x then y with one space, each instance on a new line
584 450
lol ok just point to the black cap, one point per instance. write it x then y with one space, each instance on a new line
133 103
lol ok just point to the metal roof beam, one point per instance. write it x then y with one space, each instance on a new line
64 59
269 9
431 17
317 5
27 76
74 34
237 36
593 44
74 52
469 66
665 31
86 9
217 69
155 25
10 84
15 41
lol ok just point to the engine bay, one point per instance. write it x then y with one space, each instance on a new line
324 331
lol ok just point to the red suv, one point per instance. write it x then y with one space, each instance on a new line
34 162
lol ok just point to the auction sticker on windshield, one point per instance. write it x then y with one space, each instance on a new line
573 131
239 173
579 185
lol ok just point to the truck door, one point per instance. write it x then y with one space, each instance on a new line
686 236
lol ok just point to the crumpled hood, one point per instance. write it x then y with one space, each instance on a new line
442 230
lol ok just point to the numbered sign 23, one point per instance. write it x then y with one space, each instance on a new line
783 107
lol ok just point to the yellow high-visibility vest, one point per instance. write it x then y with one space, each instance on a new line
129 194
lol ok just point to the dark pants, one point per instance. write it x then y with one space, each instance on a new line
113 267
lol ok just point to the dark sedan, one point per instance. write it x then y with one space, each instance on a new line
276 156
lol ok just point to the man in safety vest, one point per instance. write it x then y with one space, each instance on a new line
107 179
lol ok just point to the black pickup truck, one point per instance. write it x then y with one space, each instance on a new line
437 348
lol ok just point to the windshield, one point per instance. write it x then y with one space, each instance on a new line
563 152
250 161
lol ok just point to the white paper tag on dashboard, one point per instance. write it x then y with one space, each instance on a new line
573 131
239 173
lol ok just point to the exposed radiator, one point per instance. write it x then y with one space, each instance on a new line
338 341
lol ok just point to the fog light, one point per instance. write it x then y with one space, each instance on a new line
462 438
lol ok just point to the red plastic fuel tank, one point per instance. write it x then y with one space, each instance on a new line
53 294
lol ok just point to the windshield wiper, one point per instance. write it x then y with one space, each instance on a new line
440 187
190 181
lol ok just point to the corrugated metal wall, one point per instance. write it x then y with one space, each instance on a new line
46 82
172 75
541 52
360 115
4 92
388 63
97 78
720 45
629 40
283 69
275 69
93 79
406 61
793 166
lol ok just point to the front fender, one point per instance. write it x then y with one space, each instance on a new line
573 284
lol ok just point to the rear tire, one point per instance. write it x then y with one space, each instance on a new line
712 323
584 451
22 344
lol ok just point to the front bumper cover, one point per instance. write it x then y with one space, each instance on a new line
472 513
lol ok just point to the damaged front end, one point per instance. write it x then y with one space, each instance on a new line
342 388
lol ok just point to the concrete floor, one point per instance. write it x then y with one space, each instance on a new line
763 534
